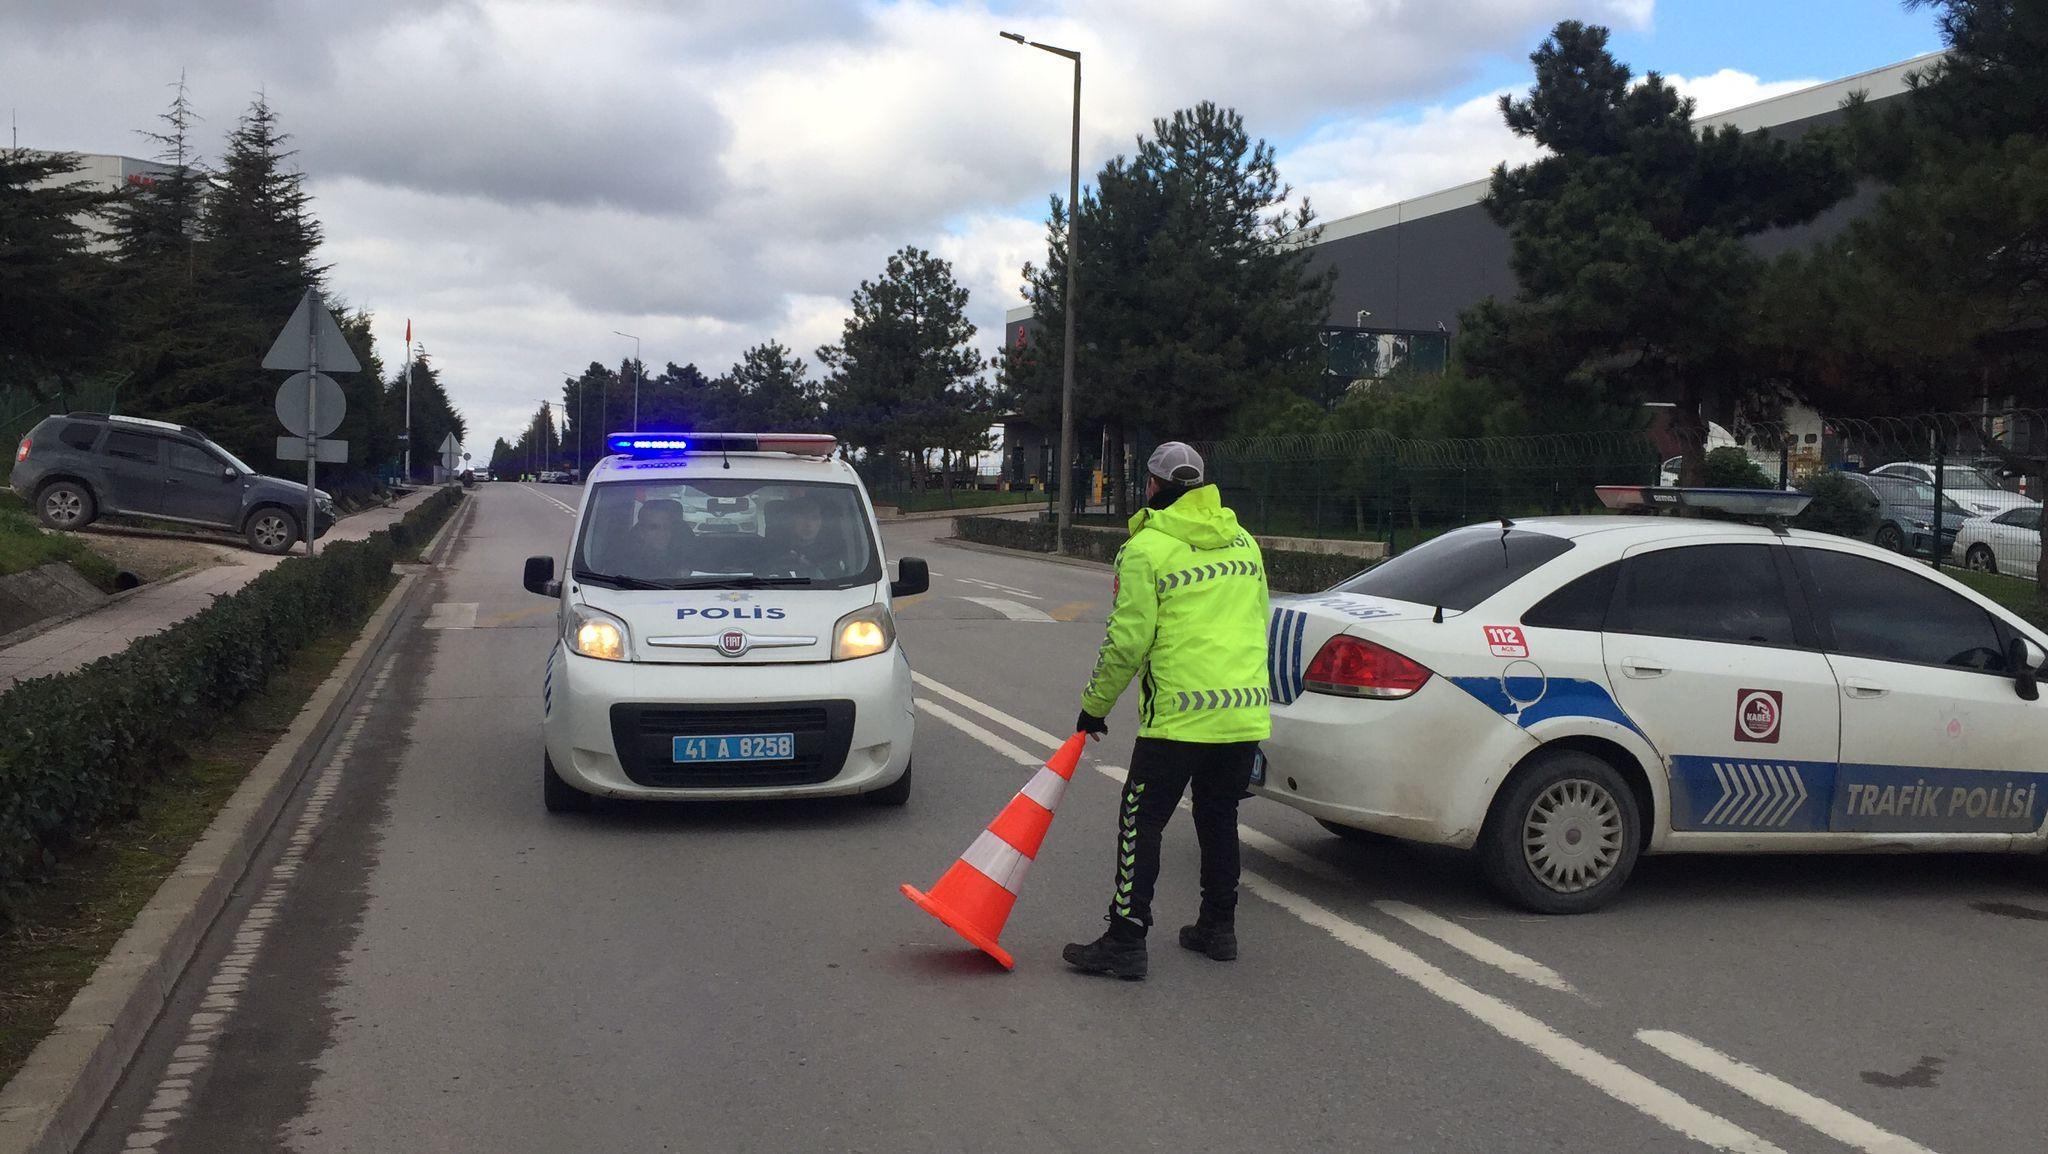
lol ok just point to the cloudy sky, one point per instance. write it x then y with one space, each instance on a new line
521 177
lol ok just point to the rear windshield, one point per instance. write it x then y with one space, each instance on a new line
1459 569
712 533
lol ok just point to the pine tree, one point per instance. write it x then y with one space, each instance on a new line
53 324
774 390
1195 298
1635 283
904 375
156 224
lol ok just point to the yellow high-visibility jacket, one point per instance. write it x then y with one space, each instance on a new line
1189 624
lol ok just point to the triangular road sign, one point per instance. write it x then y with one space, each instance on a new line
289 351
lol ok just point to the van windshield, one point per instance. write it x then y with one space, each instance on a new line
718 533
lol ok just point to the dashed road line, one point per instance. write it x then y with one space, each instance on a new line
231 977
1014 610
1476 947
569 509
1818 1113
989 711
977 732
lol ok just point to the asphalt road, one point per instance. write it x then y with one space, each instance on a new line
427 961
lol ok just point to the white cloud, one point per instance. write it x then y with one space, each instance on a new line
521 177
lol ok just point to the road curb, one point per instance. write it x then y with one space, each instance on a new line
1005 551
444 534
58 1093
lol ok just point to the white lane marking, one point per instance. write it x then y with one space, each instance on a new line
1010 589
1601 1072
569 509
1478 948
451 615
1818 1113
1014 610
1279 850
989 711
977 733
231 977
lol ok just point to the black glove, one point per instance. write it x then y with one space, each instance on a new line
1090 724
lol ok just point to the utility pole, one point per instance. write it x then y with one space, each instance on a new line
1063 520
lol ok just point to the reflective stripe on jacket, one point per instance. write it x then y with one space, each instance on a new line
1190 624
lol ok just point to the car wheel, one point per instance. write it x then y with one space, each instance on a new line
271 530
1563 837
1982 559
66 505
1352 833
1889 537
558 795
895 793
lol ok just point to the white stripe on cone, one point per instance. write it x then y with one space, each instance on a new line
1046 788
998 860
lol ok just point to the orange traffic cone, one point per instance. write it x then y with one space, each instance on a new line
975 896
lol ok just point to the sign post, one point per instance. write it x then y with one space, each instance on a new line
311 409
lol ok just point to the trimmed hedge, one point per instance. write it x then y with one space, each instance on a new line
81 746
1286 571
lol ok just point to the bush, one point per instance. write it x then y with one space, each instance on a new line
422 521
1839 506
1730 468
1286 572
82 745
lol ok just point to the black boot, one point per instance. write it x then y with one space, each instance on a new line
1120 952
1216 938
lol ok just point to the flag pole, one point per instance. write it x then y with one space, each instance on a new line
408 401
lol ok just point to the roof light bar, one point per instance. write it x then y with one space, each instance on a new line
1737 502
672 444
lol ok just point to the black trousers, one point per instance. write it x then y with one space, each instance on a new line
1161 772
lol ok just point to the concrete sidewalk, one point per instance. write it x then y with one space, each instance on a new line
154 608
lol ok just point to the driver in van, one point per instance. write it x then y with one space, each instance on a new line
654 546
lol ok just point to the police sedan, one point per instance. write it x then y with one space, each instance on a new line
1561 695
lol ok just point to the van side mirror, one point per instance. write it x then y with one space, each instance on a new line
540 577
913 576
2024 659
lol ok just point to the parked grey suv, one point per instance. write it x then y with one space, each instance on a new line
74 468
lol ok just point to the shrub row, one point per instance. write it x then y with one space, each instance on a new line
81 746
1286 572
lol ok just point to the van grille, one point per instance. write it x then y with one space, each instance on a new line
644 737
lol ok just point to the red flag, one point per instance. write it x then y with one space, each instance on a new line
408 332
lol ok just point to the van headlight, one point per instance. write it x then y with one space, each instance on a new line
595 634
863 633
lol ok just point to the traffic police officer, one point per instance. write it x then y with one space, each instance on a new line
1190 624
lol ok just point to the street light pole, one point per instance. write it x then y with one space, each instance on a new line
638 372
1063 521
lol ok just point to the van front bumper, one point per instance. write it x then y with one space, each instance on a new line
609 726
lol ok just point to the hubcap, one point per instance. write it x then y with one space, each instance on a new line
1572 836
270 532
64 506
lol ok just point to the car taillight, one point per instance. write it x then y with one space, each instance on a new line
21 454
1354 667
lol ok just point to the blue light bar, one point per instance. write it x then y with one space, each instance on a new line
1738 502
634 444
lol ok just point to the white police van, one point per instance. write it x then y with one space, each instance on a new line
725 628
1564 694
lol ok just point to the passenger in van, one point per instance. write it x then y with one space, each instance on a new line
655 546
809 549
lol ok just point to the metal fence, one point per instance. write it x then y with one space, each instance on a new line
1959 489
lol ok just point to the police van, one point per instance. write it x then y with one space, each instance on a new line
1561 695
725 629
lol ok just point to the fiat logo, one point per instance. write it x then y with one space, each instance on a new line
732 643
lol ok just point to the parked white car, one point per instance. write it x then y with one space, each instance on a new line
2009 543
1972 488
